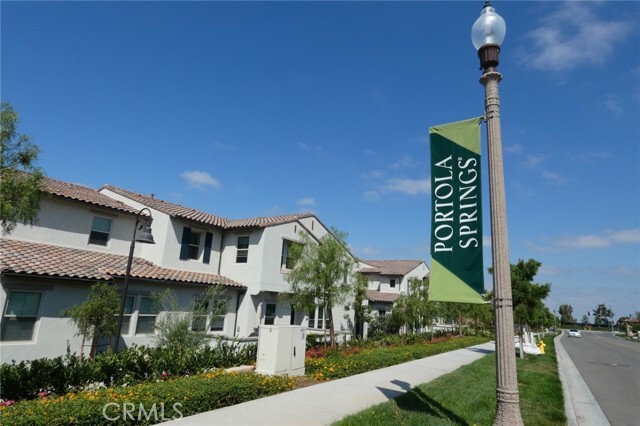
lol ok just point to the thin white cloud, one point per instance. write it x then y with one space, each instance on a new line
199 179
573 36
613 104
588 241
486 241
404 162
373 174
553 177
532 160
371 195
513 149
403 186
408 186
306 202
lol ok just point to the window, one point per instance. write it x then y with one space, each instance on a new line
199 322
217 321
392 283
270 314
382 312
20 316
292 317
203 316
147 314
317 319
100 230
126 318
194 245
242 253
289 254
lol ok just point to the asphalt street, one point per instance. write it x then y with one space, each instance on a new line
610 366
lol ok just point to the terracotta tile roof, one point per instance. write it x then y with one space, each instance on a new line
22 257
175 210
378 296
389 267
82 193
261 222
188 213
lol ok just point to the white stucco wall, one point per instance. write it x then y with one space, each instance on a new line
69 224
52 333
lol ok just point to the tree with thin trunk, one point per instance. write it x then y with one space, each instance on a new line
323 274
20 179
97 316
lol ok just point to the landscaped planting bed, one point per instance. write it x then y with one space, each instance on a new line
146 403
166 396
336 365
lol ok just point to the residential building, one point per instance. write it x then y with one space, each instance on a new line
83 236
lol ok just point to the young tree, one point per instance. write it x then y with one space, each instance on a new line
585 320
602 315
566 314
361 311
528 297
19 191
185 326
97 316
323 273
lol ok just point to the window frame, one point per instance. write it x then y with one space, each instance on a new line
6 317
317 318
145 315
220 317
193 248
270 319
242 253
99 242
286 261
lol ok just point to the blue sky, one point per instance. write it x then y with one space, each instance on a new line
247 109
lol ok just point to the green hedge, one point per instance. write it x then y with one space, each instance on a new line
336 365
171 398
133 365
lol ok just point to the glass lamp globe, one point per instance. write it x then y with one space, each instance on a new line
489 28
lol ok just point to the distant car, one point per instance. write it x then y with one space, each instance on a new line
574 333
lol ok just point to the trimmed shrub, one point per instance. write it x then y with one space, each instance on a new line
133 365
146 403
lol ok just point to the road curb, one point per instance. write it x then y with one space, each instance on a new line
580 406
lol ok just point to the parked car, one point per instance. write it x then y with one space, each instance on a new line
574 333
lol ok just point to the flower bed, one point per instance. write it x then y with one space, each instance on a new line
336 365
146 403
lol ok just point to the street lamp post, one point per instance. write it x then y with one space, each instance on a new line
487 35
142 237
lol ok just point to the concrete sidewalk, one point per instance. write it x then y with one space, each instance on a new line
328 402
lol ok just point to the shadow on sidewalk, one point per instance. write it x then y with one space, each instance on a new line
416 400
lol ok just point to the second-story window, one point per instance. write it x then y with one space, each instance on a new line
194 245
100 230
242 249
392 283
290 253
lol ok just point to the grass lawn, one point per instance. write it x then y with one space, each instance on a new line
467 396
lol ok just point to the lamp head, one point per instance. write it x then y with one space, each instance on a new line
489 28
144 235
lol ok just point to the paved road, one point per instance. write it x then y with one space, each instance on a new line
611 368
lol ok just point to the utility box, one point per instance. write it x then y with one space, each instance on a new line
281 349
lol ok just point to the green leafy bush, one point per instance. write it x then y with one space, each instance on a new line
147 403
133 365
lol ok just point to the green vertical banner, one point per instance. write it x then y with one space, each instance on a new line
456 213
